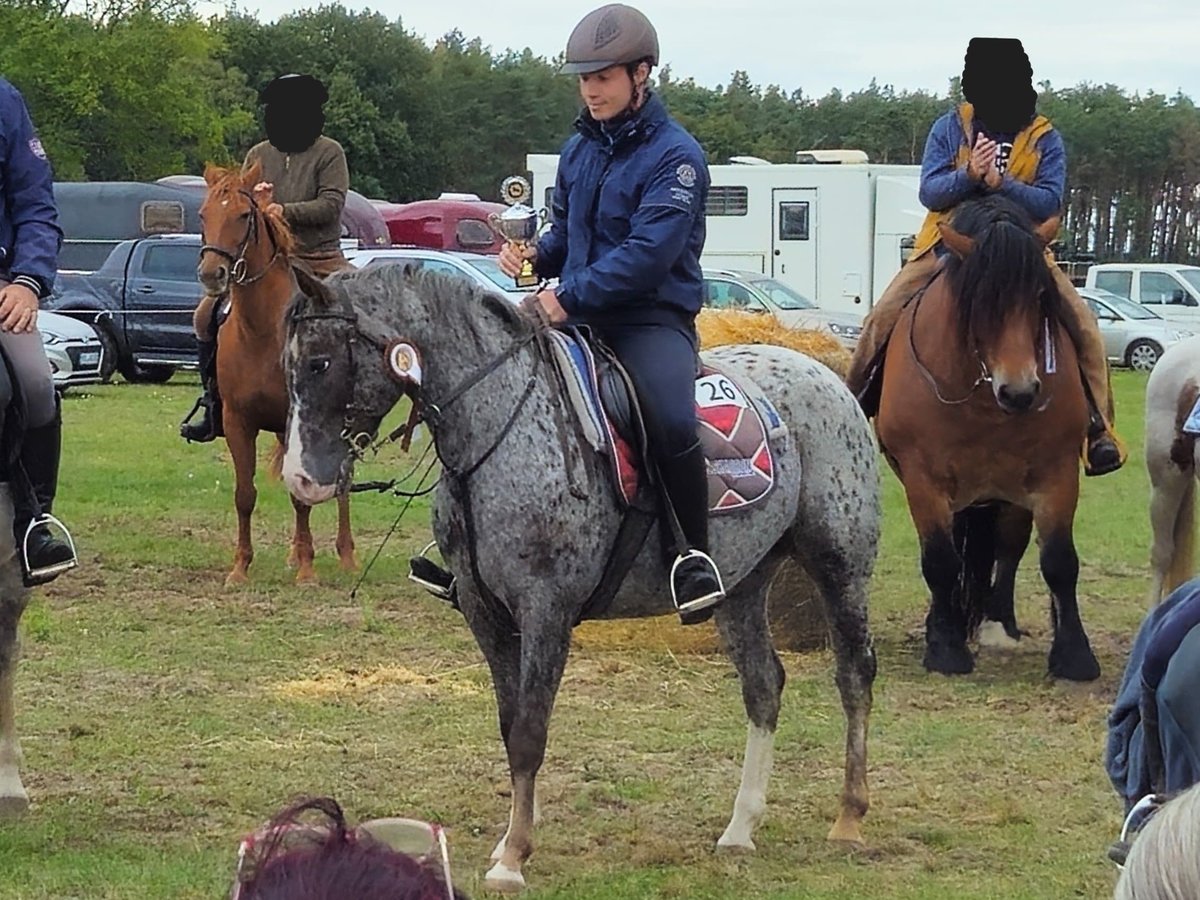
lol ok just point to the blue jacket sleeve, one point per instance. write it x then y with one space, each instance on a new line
1043 198
944 184
552 246
29 198
659 231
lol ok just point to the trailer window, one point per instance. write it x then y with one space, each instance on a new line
162 217
727 200
793 221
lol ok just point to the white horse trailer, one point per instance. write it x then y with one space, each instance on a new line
835 233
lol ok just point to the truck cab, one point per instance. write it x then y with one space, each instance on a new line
1170 289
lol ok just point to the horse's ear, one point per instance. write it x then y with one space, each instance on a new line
212 174
252 175
310 285
1047 232
960 245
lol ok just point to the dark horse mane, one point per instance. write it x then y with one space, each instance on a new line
1007 268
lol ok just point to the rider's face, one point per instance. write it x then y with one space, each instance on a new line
606 93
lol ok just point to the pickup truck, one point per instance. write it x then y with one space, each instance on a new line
140 301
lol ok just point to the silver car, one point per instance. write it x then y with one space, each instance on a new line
1134 335
754 292
483 270
74 349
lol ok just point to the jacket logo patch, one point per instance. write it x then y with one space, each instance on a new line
36 148
686 175
607 31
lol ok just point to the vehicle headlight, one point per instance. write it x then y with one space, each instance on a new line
1180 335
845 330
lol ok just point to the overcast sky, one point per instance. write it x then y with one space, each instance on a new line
816 45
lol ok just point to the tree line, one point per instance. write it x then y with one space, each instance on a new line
138 89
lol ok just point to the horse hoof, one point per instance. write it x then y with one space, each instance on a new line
504 880
1080 665
307 579
739 844
998 636
233 579
349 564
949 659
13 806
846 832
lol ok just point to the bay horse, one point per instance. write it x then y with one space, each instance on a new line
982 417
246 253
526 512
1171 392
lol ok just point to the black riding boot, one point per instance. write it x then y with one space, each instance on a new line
695 582
43 556
209 426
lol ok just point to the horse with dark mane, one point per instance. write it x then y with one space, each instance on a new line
245 253
527 512
982 416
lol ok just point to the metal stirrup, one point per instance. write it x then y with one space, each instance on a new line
45 573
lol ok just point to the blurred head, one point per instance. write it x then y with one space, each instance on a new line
997 81
612 50
1164 861
308 852
292 111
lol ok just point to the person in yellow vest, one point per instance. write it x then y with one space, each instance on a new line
994 143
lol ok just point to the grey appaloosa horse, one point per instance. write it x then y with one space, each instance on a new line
526 512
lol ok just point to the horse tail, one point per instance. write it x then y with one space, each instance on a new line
975 540
275 464
1182 565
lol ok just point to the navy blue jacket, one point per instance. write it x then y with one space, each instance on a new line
627 221
29 234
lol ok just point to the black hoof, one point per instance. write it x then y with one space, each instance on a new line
949 659
1073 662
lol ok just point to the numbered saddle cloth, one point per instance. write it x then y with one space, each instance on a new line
734 429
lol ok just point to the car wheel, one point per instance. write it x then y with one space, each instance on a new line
1143 355
149 374
108 363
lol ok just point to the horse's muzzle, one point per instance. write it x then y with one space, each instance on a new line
1018 398
308 491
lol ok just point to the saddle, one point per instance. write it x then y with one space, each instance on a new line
735 430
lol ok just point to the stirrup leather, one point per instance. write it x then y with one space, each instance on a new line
44 574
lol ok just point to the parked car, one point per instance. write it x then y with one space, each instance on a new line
74 349
1170 289
754 292
483 270
141 302
1134 335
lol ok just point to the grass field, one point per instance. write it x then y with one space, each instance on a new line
164 716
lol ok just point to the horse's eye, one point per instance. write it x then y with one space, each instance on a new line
318 366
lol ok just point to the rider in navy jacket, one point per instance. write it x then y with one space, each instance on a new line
625 239
29 243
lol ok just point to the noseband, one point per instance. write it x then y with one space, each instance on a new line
237 259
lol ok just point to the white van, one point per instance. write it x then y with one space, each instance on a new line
1170 289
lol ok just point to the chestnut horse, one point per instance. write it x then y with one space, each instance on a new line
246 253
983 416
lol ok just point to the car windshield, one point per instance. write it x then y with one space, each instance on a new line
782 295
1125 307
1191 276
490 267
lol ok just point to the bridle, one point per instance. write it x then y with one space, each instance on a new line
237 259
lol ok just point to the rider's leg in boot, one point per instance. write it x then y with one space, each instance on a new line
1105 452
879 323
695 582
45 556
207 427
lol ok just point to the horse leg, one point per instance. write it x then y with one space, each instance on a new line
1170 488
742 620
945 625
302 544
345 540
13 597
544 646
842 572
242 443
1071 654
1013 528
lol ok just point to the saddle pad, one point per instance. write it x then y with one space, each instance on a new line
735 432
1191 425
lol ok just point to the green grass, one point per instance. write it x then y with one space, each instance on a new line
163 715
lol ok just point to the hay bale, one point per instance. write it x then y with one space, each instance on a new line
796 611
727 326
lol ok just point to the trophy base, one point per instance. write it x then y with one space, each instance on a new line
524 281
